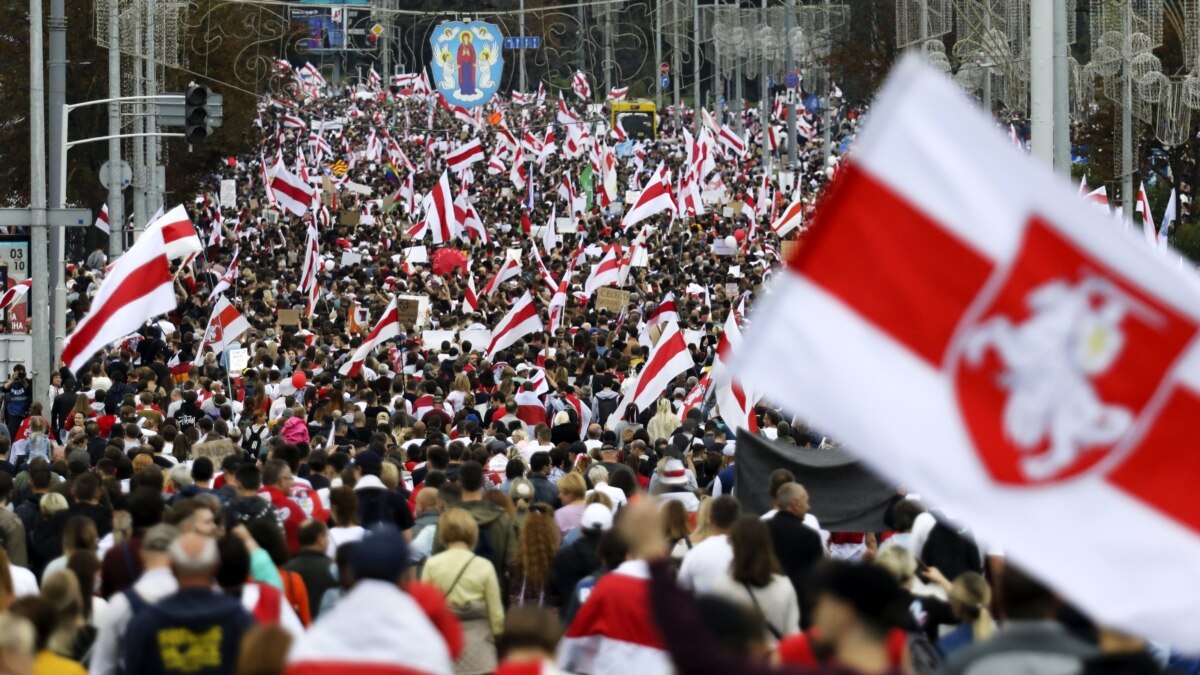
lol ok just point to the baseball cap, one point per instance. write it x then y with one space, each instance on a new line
79 460
597 518
381 555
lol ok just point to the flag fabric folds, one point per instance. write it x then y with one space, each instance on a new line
523 319
1052 378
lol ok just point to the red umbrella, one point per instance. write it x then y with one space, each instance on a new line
446 260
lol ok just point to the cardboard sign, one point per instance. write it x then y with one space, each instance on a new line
564 226
479 339
350 258
612 299
288 317
271 216
720 247
735 271
416 255
412 311
253 204
228 194
731 290
349 217
711 197
433 339
736 205
358 188
238 360
327 186
727 212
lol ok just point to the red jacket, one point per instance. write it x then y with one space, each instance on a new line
289 512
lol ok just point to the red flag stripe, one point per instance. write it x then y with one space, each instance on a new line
676 344
859 262
296 193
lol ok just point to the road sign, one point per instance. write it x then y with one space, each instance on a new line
126 174
14 261
791 80
56 217
664 81
523 42
377 30
664 68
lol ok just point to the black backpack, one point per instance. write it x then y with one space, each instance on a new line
375 507
484 547
252 441
605 407
922 655
951 552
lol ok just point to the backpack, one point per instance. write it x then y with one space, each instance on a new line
484 546
605 407
374 508
951 552
252 440
922 655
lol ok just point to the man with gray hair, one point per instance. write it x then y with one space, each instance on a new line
196 629
156 583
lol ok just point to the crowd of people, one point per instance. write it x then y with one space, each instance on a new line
446 510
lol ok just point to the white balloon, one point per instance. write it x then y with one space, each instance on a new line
328 265
731 241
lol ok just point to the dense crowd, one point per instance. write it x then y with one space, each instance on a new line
447 512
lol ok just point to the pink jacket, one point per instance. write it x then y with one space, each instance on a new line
295 430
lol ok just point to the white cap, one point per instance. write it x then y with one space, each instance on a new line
596 517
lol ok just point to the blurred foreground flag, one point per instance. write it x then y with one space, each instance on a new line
990 340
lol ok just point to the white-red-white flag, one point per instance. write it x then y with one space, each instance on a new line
618 93
1143 207
523 319
654 199
102 220
668 359
464 155
606 273
227 280
732 141
509 269
734 405
138 287
385 329
470 298
177 233
579 84
1052 380
291 192
14 294
791 218
225 326
664 312
438 206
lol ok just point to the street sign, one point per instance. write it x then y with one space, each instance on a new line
523 42
377 30
664 81
791 80
664 68
56 217
126 174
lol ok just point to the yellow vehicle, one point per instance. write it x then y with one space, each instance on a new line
638 118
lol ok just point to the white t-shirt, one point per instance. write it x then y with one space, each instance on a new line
343 535
705 563
24 581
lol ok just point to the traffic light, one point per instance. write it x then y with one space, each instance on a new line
195 113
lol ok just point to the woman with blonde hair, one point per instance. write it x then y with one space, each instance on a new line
703 529
970 597
459 390
529 572
664 423
927 612
472 591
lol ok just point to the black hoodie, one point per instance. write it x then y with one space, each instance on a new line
194 630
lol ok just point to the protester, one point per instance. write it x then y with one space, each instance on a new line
756 579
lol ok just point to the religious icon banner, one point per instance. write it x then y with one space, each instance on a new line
467 61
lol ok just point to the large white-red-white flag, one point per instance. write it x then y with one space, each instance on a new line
385 329
1053 378
509 269
654 199
438 206
225 326
464 155
668 359
523 319
291 192
606 273
791 218
177 232
734 404
137 287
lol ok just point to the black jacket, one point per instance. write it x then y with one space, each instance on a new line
195 631
798 548
313 568
572 564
